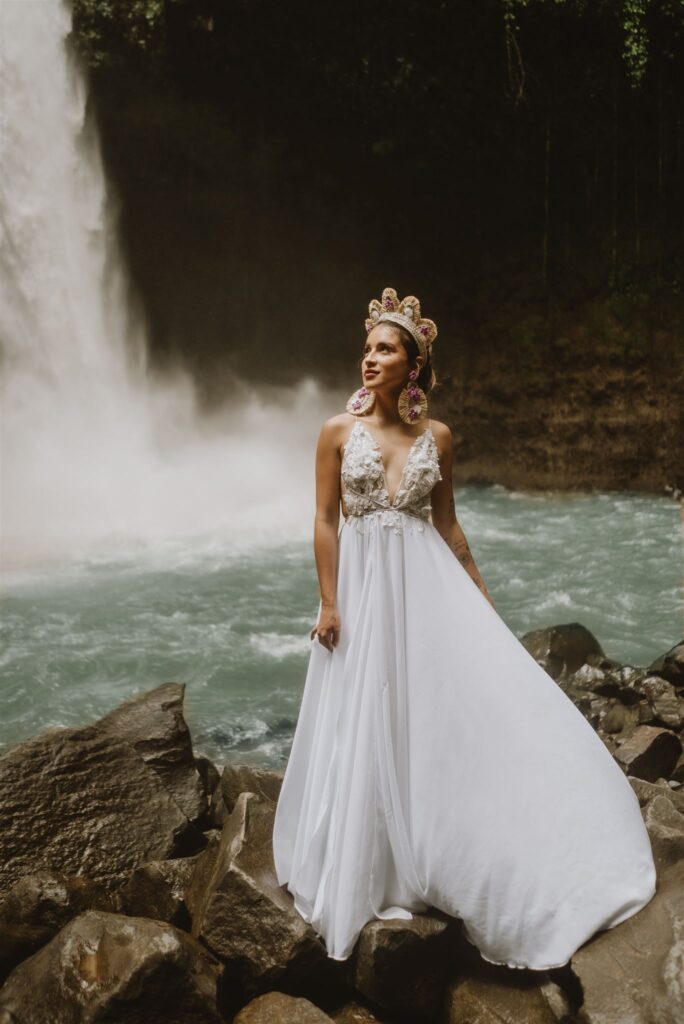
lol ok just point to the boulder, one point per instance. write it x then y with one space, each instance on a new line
497 999
154 725
37 907
157 890
650 752
670 666
242 778
632 974
84 802
561 650
404 965
238 909
280 1008
106 967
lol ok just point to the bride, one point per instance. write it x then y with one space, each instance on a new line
434 762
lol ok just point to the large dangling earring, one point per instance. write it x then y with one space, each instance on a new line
412 402
361 401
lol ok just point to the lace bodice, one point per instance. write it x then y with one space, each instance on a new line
364 484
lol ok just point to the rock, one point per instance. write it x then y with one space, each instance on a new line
662 697
562 650
208 773
106 967
279 1008
677 773
403 965
353 1013
498 1000
670 666
238 909
83 802
153 724
665 826
650 752
35 909
242 778
157 890
634 973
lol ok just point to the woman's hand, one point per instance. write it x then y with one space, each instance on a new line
327 629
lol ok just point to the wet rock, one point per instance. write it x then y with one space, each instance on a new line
208 773
562 650
665 824
154 725
670 666
237 907
83 802
35 909
499 1000
242 778
353 1013
632 974
662 697
157 890
649 753
403 965
106 967
279 1008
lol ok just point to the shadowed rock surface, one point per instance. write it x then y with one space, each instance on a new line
105 967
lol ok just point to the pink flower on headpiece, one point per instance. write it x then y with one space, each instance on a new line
423 329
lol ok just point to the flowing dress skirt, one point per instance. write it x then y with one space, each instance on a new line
436 764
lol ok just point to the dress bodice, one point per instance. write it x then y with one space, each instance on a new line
364 484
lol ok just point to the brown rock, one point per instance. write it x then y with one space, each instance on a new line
35 909
105 967
563 649
83 802
493 1000
237 907
153 724
665 826
403 965
353 1013
632 974
279 1008
670 665
157 890
650 752
242 778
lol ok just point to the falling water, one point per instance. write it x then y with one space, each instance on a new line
98 453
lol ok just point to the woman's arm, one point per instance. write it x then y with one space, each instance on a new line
444 513
326 525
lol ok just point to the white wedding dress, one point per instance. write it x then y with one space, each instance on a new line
436 764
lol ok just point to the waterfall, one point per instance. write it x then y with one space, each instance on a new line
100 454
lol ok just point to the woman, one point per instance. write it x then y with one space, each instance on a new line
435 763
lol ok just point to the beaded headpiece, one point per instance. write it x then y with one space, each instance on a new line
405 312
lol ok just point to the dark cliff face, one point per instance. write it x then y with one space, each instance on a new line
263 201
589 418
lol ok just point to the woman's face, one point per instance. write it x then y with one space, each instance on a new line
385 362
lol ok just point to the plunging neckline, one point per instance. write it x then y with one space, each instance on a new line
378 449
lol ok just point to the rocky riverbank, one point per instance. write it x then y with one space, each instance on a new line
137 882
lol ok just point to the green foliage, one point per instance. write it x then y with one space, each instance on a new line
105 31
630 16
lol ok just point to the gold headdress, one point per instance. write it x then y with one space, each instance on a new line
412 399
405 312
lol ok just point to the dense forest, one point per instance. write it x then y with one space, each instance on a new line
515 163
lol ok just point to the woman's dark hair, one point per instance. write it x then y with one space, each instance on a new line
426 378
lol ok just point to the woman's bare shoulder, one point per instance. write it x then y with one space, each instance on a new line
335 430
442 433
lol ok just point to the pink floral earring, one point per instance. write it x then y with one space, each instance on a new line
412 402
361 402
